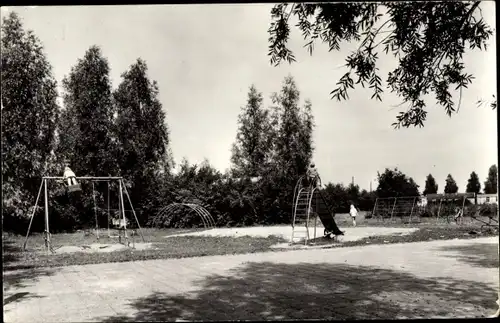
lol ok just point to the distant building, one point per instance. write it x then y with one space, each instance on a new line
449 197
486 199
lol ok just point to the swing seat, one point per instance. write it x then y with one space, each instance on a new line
119 223
74 188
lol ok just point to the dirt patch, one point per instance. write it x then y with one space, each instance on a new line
285 232
100 247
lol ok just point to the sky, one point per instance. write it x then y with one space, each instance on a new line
205 57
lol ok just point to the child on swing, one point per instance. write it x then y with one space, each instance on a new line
70 176
458 213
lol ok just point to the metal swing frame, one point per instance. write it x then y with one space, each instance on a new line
122 191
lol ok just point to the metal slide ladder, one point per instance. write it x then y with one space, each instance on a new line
301 212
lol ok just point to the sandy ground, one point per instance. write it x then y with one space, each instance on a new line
100 247
350 234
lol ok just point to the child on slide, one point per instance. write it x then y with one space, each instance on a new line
312 173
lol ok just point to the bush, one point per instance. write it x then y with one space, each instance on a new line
490 210
428 212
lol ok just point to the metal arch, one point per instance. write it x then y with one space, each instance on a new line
202 216
157 218
204 211
206 218
162 212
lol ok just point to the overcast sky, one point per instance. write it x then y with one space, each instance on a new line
205 57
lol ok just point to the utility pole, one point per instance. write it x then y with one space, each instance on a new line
353 181
370 186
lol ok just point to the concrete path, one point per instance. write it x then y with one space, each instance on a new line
457 278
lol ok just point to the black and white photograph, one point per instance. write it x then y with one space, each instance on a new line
249 161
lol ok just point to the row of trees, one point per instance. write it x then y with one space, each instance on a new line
98 131
473 183
104 132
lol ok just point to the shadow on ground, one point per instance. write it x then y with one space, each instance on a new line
267 291
15 279
11 253
478 254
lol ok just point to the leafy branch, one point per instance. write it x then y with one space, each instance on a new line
428 39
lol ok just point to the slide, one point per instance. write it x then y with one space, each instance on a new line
327 218
323 209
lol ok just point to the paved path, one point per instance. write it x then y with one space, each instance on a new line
429 279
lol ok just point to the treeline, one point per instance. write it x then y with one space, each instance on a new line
104 132
473 183
124 132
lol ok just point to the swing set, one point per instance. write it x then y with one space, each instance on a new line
120 221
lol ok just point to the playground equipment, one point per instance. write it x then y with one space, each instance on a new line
492 223
73 185
206 218
394 207
304 200
448 205
121 210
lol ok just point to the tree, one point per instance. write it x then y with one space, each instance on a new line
29 115
367 200
451 186
353 192
393 183
253 141
292 144
292 130
428 39
473 184
431 187
491 184
142 136
87 139
337 197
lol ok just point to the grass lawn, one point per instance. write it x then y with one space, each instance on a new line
161 248
425 233
193 246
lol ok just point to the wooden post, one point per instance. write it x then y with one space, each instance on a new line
463 206
374 207
316 217
33 214
413 205
47 229
109 232
439 209
123 209
393 207
135 216
95 212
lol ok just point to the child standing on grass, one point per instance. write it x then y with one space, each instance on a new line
353 212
